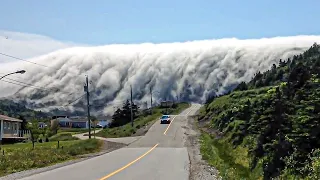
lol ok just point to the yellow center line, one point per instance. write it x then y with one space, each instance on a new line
124 167
165 132
189 112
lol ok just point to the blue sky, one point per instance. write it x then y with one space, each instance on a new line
99 22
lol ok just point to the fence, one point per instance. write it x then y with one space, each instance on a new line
17 134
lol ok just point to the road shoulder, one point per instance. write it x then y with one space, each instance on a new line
199 169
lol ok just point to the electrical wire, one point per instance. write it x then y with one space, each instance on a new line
16 82
74 100
38 87
3 54
26 83
21 84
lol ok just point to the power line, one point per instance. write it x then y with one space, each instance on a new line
27 84
30 85
25 60
20 84
75 100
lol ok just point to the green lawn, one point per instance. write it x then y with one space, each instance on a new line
21 156
63 136
127 130
73 130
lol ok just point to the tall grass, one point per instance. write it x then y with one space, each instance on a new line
20 157
232 163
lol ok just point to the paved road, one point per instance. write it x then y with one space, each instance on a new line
123 140
159 155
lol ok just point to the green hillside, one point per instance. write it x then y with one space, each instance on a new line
17 110
270 126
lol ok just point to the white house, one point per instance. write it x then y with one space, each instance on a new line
10 128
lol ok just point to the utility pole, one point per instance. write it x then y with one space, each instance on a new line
166 105
86 88
151 100
131 107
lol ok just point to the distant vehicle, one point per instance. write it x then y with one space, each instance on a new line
165 119
99 126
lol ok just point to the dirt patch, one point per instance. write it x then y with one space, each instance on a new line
199 169
205 125
107 147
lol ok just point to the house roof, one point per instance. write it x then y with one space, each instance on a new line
60 119
78 119
7 118
71 119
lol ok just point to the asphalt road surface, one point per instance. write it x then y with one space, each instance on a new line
159 155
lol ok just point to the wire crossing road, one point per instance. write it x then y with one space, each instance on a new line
159 155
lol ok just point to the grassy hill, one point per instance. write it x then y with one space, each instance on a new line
270 126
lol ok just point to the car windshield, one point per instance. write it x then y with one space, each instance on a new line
164 117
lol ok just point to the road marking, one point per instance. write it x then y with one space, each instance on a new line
124 167
189 112
165 132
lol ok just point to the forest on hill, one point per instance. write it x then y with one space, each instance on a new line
19 110
271 122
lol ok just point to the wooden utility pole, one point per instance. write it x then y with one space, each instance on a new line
151 99
86 88
166 105
131 106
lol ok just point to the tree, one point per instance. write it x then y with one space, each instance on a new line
123 116
24 122
94 121
116 118
35 131
210 99
242 87
54 126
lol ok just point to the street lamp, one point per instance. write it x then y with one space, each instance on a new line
18 72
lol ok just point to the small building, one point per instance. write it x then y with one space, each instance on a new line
71 122
166 104
10 128
79 122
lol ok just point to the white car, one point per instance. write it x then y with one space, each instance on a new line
165 119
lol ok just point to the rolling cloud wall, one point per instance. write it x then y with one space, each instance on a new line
190 71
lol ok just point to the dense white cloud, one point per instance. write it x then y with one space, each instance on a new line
195 68
24 45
